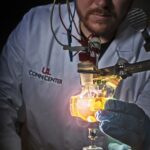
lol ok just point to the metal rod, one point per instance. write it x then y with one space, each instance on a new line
116 69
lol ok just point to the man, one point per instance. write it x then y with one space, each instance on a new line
37 79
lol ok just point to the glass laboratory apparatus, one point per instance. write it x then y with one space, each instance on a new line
96 90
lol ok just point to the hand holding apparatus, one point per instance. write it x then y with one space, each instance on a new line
127 123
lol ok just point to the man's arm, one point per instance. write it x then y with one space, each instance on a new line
11 67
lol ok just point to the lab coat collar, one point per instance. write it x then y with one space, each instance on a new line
121 47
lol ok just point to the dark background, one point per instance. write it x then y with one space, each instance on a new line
11 13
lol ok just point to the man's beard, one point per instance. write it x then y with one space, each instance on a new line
101 24
97 32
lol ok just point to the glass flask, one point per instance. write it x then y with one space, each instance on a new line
96 90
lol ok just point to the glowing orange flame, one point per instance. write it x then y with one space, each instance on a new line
93 98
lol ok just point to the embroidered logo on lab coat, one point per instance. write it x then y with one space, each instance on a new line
46 71
44 75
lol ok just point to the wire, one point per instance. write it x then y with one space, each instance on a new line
59 6
71 16
68 30
65 25
51 24
76 53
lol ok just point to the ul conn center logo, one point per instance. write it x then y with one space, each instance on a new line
45 75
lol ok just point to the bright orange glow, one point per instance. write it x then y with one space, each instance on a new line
93 97
85 108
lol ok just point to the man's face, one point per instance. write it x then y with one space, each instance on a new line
102 17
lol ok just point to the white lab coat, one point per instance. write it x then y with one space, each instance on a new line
35 72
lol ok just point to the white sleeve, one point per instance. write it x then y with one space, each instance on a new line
11 67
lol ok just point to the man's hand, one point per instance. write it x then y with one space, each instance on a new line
127 123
